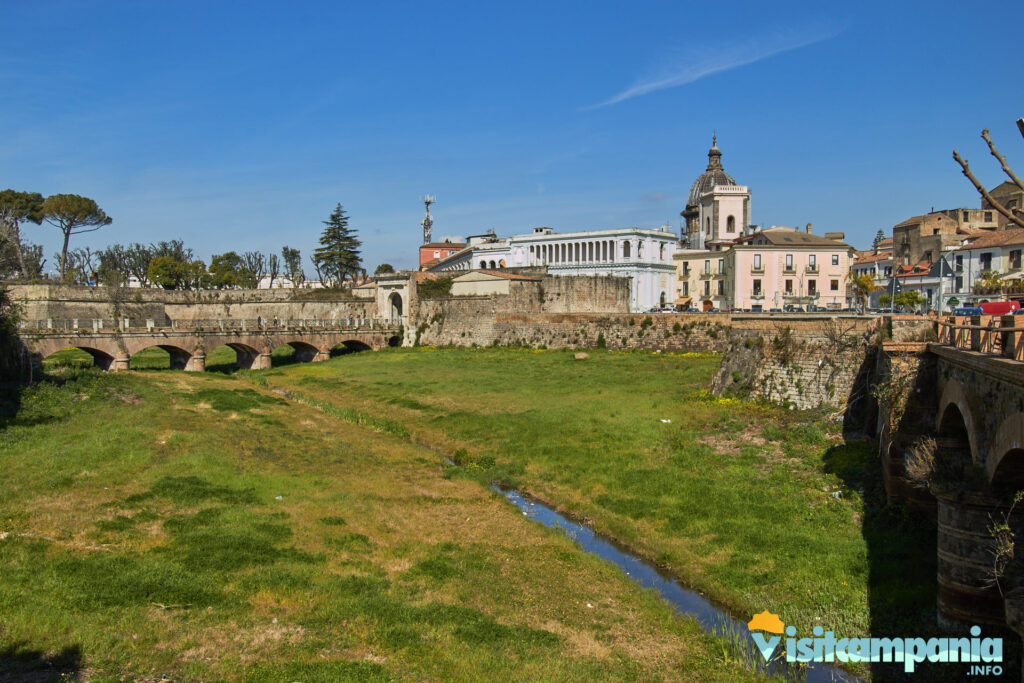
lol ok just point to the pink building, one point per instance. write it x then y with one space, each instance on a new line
781 267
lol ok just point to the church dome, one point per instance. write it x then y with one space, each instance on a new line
714 175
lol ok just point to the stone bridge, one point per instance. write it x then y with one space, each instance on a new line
981 406
112 349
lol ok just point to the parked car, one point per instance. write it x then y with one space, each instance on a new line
999 307
713 310
775 310
968 310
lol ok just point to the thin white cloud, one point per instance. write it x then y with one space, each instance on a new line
682 69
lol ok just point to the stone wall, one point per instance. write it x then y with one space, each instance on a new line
449 322
163 307
802 361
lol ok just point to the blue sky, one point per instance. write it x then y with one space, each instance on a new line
239 125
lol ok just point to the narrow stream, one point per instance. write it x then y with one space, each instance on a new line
711 619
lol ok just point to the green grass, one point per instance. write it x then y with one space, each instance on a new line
200 527
759 507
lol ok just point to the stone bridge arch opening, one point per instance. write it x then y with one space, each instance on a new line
1005 462
233 356
76 357
350 346
953 455
294 351
159 357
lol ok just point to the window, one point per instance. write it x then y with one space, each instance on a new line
835 259
834 285
789 286
959 264
437 254
959 283
928 256
988 216
986 261
686 289
721 266
812 261
707 287
812 287
757 288
789 262
730 224
625 249
721 287
707 267
757 262
1015 259
966 216
686 268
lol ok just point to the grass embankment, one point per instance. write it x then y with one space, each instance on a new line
757 506
194 526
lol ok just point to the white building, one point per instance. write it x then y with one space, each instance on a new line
981 252
644 256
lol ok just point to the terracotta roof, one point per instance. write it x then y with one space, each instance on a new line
451 256
871 257
913 270
1000 238
788 237
914 220
887 242
443 245
509 276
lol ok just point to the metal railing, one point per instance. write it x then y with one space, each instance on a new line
998 335
137 325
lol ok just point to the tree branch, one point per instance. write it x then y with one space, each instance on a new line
984 193
1002 160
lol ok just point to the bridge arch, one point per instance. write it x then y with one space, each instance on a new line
956 421
179 357
304 351
355 346
101 358
1005 462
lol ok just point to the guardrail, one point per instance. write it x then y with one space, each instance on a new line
998 335
126 325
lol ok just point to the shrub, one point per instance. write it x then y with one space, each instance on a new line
435 289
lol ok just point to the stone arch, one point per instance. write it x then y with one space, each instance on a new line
483 265
304 351
394 341
395 307
1005 462
179 356
101 358
956 418
356 346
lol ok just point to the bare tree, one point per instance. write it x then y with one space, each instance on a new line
254 264
1014 215
273 268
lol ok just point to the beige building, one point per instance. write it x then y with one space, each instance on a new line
922 239
1010 196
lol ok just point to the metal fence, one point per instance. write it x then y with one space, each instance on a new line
97 325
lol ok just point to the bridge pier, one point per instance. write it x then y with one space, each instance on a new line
261 362
120 363
196 363
322 354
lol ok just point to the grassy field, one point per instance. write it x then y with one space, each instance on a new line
196 526
757 506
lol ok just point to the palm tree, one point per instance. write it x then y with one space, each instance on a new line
863 285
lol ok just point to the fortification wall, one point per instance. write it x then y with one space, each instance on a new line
63 302
805 362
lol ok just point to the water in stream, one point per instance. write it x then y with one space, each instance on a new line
710 618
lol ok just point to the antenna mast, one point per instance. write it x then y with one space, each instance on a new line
427 222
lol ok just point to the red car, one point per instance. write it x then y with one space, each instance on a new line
999 307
